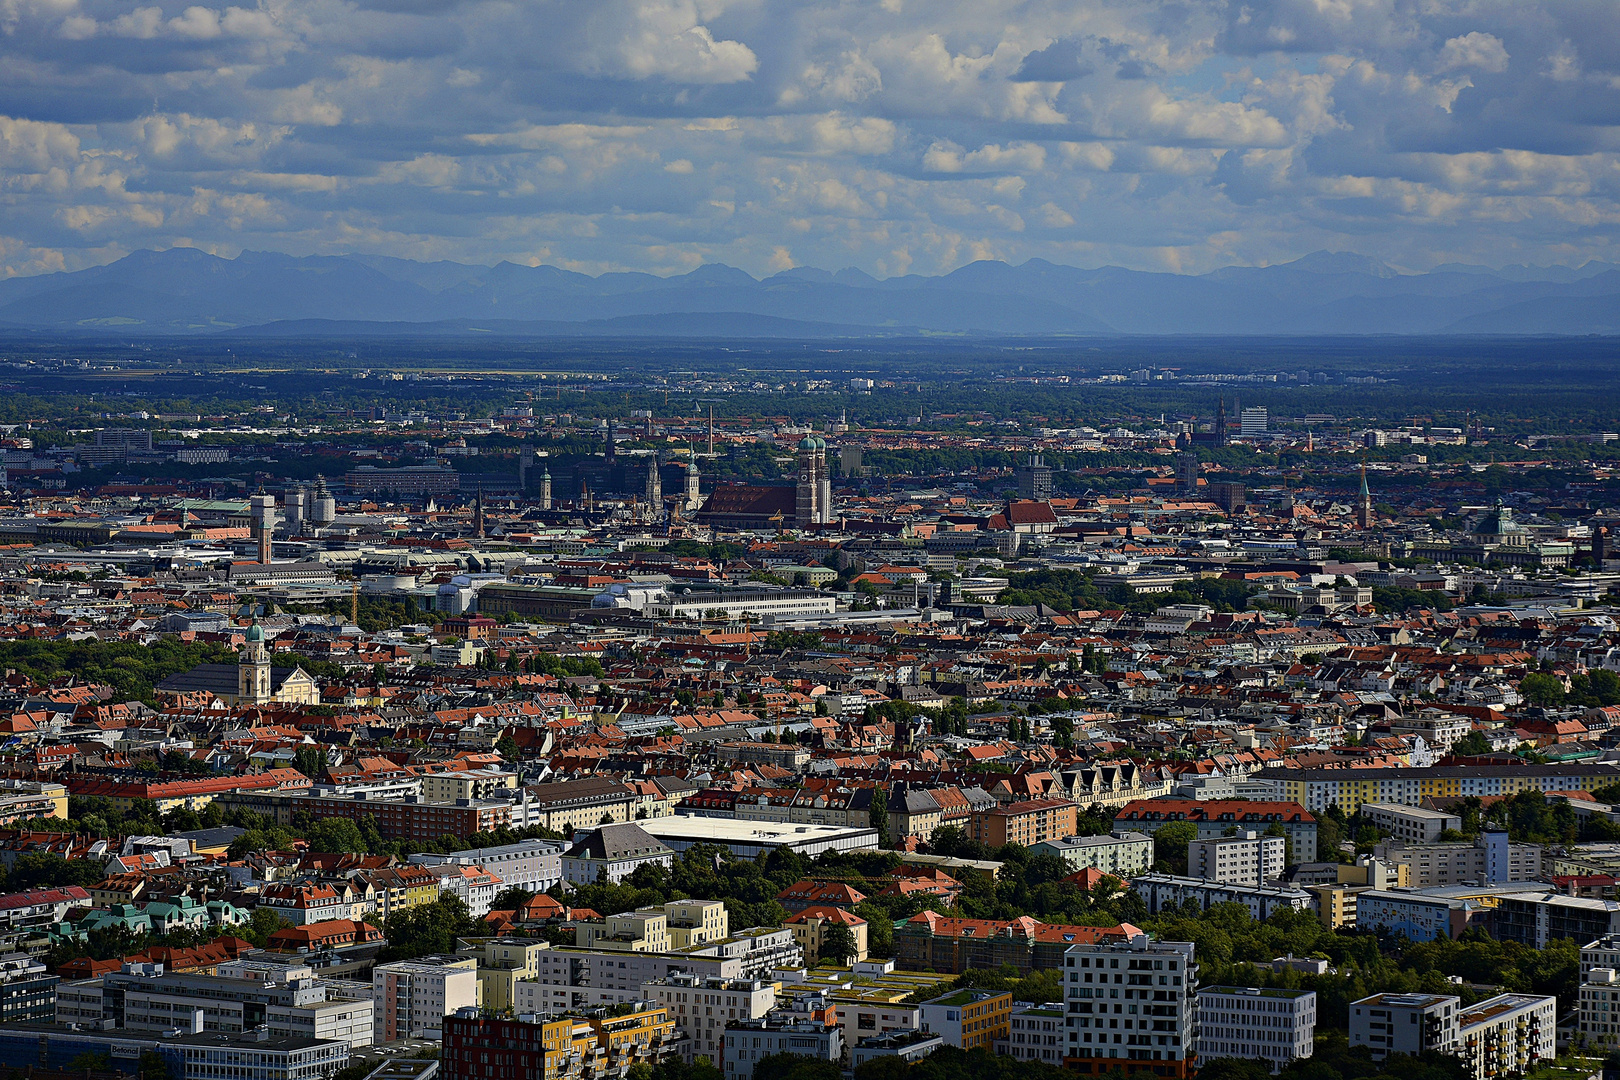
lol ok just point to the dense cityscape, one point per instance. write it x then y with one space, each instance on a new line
393 720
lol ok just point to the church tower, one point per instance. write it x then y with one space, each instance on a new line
693 498
1364 507
478 513
813 489
1220 424
545 489
655 488
253 668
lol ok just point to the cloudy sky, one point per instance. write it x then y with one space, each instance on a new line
898 136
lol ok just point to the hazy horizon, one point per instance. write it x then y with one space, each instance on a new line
671 273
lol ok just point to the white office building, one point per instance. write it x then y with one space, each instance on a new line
1247 859
1276 1026
1130 1001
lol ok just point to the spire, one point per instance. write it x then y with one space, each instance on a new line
1365 494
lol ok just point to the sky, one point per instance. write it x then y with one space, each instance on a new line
897 136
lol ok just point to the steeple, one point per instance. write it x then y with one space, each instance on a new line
1364 508
545 489
1220 423
478 512
655 488
253 668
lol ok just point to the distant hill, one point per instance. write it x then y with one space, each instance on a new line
185 291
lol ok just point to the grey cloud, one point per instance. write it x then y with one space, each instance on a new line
909 137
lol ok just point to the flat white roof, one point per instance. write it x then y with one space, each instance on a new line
728 830
753 838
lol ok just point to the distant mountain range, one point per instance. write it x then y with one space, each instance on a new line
185 291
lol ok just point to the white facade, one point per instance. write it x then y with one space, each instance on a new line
1132 1001
531 864
473 885
1410 823
1404 1023
1599 1005
700 1008
1123 854
1037 1033
1275 1026
410 999
1159 891
752 1040
1488 860
1249 859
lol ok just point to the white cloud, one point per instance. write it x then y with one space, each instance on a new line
1484 52
897 136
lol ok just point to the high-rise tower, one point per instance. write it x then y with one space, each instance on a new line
262 516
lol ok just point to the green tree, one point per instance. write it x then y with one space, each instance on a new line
1539 688
1473 743
838 944
1170 845
878 814
311 761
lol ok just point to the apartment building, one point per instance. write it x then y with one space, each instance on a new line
1318 789
407 819
747 1041
1246 859
811 927
468 784
1123 854
1161 890
1036 1033
613 852
700 1007
1026 823
572 978
530 864
1214 817
411 998
575 804
1598 1005
1131 1005
1412 824
1535 918
502 964
1418 917
968 1019
1404 1023
1488 860
1274 1025
1509 1034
